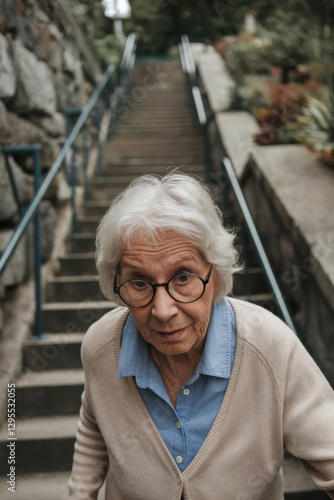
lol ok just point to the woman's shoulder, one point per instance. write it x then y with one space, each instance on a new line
273 342
264 331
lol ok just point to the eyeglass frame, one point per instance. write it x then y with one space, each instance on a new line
154 286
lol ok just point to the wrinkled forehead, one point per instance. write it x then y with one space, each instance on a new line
169 247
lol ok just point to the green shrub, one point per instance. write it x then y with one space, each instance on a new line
252 94
245 56
108 49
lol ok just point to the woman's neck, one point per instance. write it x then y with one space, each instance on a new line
175 369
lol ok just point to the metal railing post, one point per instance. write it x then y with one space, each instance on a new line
37 246
35 150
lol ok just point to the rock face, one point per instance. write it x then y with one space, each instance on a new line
35 88
7 71
43 71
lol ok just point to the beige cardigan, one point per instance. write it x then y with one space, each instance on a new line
276 396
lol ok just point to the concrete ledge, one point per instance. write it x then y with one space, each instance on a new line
236 129
290 197
215 79
305 192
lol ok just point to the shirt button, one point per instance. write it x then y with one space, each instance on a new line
179 459
178 425
186 392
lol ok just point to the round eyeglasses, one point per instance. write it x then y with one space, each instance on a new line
183 287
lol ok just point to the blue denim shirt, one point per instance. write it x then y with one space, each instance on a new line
184 428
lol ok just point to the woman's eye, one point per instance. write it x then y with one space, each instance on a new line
182 278
139 283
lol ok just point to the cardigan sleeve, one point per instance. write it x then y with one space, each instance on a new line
308 418
90 460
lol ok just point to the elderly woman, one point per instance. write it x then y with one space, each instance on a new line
190 394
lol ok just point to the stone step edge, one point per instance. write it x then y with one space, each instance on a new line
59 306
51 378
40 428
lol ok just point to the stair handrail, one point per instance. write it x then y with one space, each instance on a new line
188 67
227 165
125 65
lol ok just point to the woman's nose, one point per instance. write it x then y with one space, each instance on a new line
163 305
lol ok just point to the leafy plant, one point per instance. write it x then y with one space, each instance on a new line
280 123
252 94
318 132
245 56
108 49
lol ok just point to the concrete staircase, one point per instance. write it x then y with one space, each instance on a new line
158 131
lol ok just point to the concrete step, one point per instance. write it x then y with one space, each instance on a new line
158 162
73 289
125 166
73 316
153 142
135 122
252 256
96 207
153 112
265 300
44 444
56 392
251 281
145 150
76 264
170 130
81 242
41 486
88 223
120 182
189 133
59 351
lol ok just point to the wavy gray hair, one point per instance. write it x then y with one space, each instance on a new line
151 204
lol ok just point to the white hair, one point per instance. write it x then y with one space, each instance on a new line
153 204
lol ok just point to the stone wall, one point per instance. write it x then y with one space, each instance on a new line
290 196
46 67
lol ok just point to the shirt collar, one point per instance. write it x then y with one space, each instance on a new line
216 359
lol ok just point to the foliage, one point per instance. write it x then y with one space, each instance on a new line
319 12
280 122
252 94
320 49
286 40
244 56
108 49
161 23
318 132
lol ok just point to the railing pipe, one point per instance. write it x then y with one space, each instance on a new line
38 247
257 242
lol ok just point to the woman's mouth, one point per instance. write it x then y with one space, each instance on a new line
171 334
